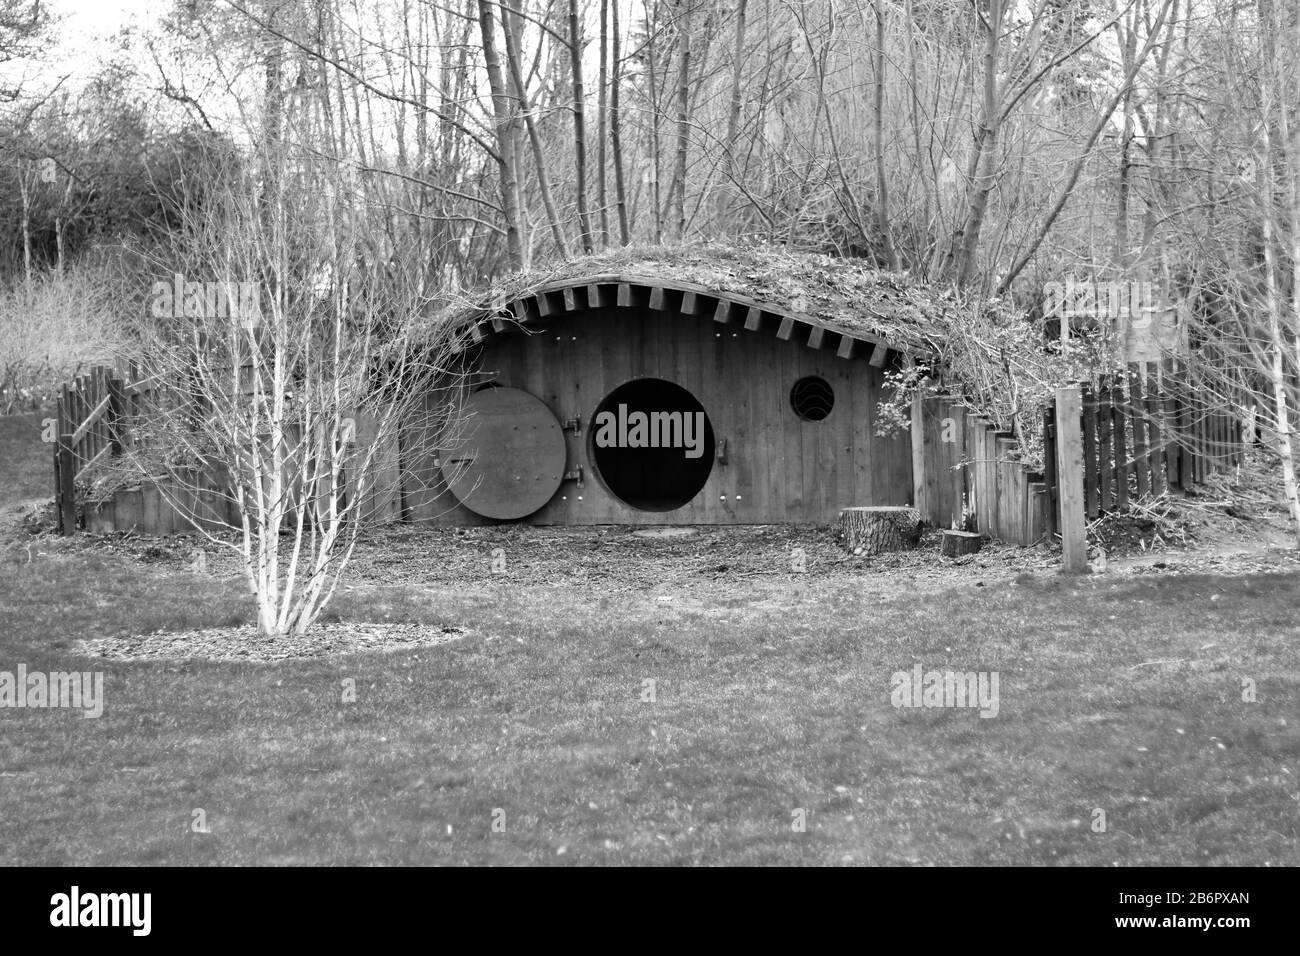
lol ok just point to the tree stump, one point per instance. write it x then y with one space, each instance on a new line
957 543
874 530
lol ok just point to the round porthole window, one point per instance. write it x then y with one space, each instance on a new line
652 444
812 398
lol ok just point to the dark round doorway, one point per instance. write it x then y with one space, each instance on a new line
652 444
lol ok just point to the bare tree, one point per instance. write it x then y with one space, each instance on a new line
1076 167
507 162
518 83
602 117
616 130
683 116
882 182
1281 213
579 126
734 102
283 367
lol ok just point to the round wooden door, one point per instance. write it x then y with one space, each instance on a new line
511 461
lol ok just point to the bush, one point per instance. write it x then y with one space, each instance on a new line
996 359
52 330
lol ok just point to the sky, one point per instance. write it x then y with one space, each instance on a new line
82 35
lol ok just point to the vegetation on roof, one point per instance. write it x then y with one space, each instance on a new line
843 294
984 351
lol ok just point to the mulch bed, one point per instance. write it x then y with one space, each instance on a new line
246 644
613 559
1233 524
606 558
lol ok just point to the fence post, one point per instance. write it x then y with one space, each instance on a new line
1049 469
1069 478
59 429
116 414
67 486
1137 413
64 489
1120 413
1091 469
921 478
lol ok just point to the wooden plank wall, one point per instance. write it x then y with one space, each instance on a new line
174 505
168 506
778 467
740 363
942 480
962 461
1144 432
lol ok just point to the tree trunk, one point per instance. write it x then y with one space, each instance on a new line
882 183
683 119
1081 160
616 131
579 127
876 530
505 142
1273 293
965 243
1128 44
727 188
602 192
27 225
1290 150
534 138
958 543
651 25
914 96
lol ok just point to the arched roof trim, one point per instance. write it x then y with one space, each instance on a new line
576 294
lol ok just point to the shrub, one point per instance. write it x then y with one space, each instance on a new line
51 330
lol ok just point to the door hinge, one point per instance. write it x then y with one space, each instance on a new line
722 451
574 475
572 425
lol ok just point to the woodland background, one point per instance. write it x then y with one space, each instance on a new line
987 147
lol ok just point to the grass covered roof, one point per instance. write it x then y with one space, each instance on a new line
841 295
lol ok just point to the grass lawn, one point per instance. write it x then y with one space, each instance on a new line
772 696
26 463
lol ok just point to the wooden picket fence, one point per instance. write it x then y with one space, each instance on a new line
95 417
1146 432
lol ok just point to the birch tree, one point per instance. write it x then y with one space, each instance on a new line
278 366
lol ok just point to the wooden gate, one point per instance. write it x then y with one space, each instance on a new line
1146 432
89 428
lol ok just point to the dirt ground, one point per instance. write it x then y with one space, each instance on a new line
613 559
1234 524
